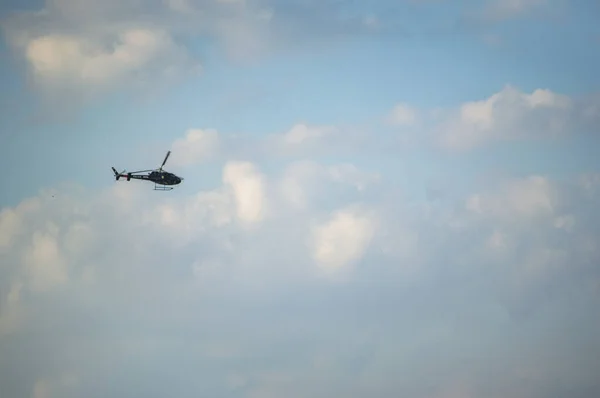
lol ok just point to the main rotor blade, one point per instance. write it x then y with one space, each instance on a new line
165 161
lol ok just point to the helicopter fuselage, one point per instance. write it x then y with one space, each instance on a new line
164 178
157 177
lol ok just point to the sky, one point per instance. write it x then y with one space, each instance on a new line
384 198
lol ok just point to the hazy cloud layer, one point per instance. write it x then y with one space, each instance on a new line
83 47
92 46
510 115
256 289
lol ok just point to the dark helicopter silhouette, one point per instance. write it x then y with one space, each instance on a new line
161 179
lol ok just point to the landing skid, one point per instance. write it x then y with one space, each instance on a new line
158 187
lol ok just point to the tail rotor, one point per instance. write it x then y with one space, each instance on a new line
117 174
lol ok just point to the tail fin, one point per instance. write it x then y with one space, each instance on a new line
117 175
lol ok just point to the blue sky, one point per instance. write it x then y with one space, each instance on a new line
353 80
396 198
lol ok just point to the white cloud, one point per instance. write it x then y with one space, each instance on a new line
197 146
301 133
302 181
352 175
83 61
12 221
10 311
343 238
113 44
522 198
248 189
403 115
77 49
303 138
508 115
45 262
87 48
121 282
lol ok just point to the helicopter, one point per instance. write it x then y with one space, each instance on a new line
162 179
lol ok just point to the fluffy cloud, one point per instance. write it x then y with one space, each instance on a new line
299 141
86 46
402 115
343 238
197 146
523 199
509 115
248 190
227 284
83 61
304 139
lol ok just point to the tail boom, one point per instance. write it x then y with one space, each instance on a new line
119 175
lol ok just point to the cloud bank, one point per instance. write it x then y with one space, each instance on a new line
508 116
306 282
84 47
